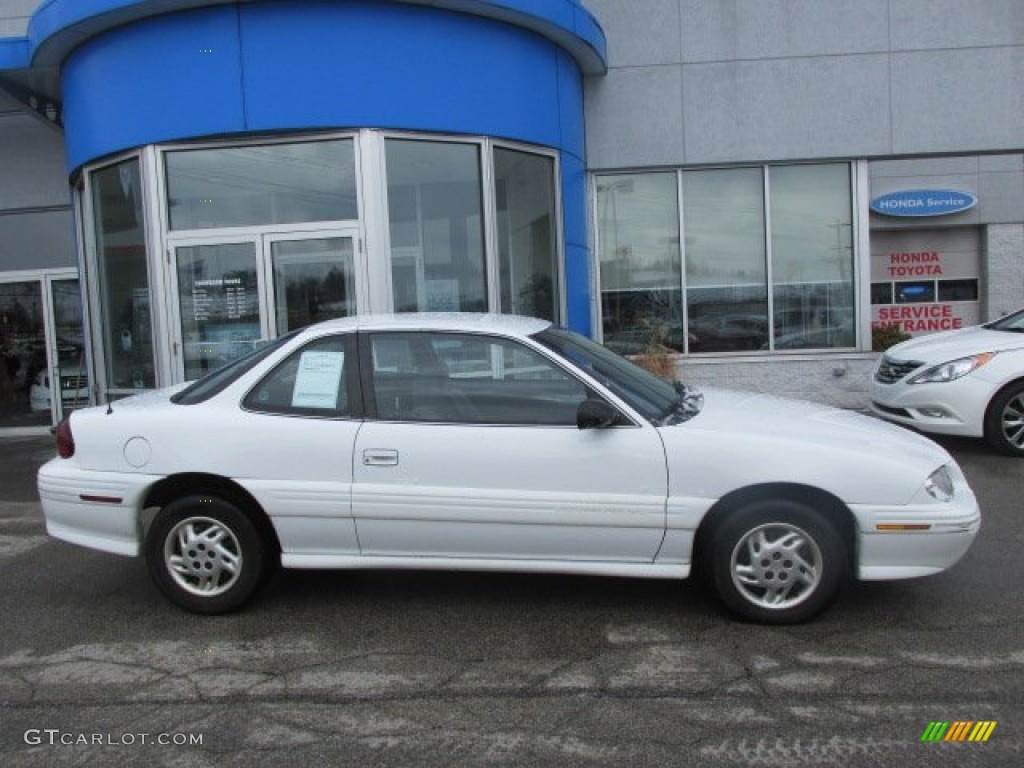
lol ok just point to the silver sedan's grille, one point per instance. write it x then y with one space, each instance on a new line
890 371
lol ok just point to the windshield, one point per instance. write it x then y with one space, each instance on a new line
1013 323
653 398
208 386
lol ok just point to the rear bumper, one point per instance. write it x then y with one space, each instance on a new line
98 510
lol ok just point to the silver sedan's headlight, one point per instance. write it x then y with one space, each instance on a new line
952 370
940 484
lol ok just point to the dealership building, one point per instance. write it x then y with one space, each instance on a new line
754 188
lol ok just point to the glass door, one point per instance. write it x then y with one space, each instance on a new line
66 386
22 354
218 303
314 279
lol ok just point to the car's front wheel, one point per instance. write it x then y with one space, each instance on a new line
1004 421
776 562
205 554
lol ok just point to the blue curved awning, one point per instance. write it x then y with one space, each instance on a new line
59 26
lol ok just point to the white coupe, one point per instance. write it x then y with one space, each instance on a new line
485 443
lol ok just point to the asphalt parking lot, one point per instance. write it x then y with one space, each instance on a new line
411 669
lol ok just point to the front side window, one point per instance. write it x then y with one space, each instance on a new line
312 381
764 255
261 185
435 214
470 379
123 276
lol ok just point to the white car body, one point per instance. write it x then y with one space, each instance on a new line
956 407
626 500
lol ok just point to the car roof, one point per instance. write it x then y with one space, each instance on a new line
508 325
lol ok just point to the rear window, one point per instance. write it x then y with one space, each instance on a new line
208 386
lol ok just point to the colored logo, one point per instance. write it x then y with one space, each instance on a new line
923 202
958 730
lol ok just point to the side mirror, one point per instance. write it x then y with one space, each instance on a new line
595 414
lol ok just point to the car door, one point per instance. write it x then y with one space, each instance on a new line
292 449
471 450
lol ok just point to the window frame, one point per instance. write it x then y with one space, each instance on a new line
350 380
372 412
858 280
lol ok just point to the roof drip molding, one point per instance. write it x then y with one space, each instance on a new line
59 26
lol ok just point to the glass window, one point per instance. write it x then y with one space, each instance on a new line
958 290
881 293
641 285
915 292
435 213
213 383
314 280
527 255
469 379
725 218
654 398
812 256
260 185
219 299
123 276
312 381
726 287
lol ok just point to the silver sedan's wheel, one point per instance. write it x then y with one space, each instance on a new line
1004 421
776 566
205 554
776 561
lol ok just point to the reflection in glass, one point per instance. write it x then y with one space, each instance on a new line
916 292
435 214
71 375
22 355
219 298
123 276
258 185
525 193
314 280
812 256
726 275
641 286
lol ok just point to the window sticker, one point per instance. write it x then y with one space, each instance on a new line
318 379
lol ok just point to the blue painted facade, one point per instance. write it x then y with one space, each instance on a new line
132 74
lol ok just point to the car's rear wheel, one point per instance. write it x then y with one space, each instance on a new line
776 562
205 554
1004 421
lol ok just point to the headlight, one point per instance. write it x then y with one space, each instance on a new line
940 484
952 370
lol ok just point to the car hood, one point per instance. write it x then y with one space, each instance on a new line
742 439
950 345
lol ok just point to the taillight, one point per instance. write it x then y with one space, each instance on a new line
65 440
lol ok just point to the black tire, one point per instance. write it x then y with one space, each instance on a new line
1004 421
800 565
205 555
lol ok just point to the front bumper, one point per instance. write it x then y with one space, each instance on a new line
98 510
952 408
942 533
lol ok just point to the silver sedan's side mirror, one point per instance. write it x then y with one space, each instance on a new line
595 414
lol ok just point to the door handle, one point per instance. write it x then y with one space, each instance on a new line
380 457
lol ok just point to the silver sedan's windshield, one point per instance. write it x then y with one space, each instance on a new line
655 399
